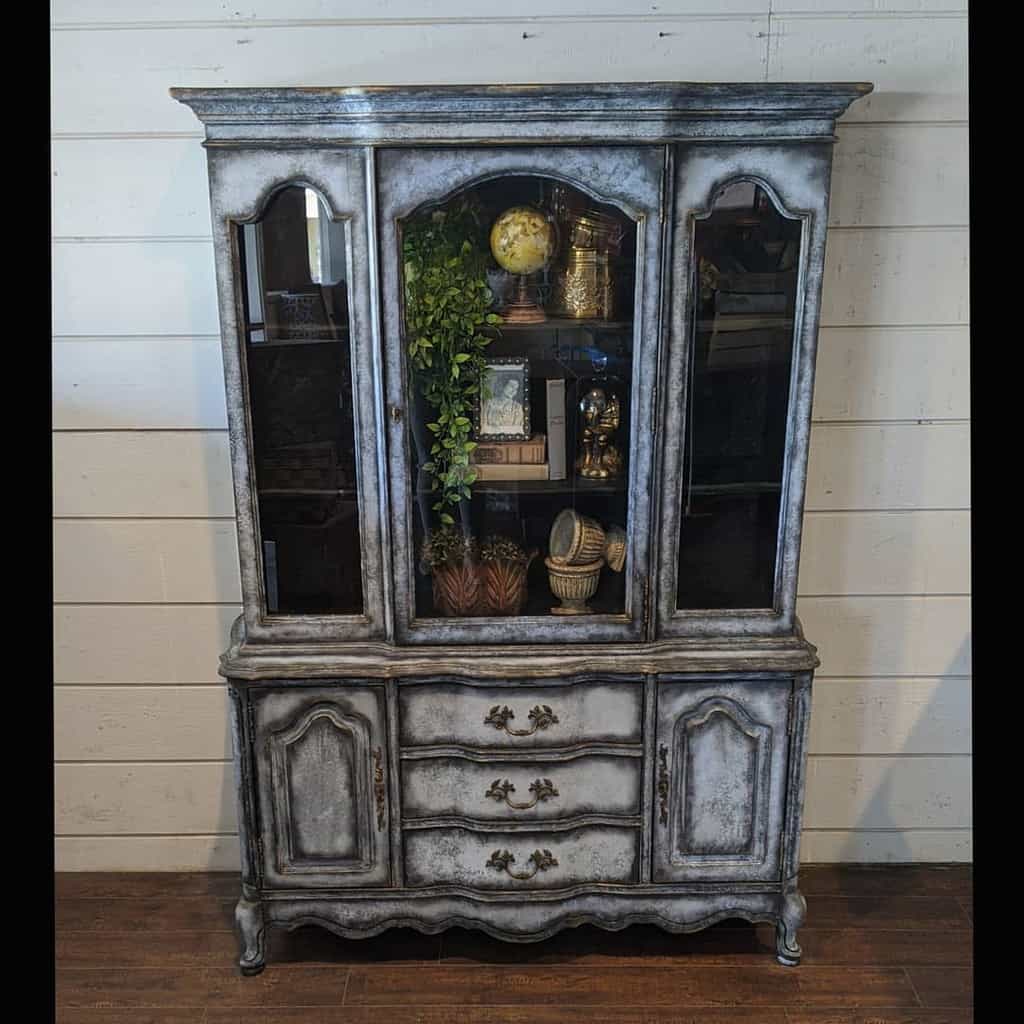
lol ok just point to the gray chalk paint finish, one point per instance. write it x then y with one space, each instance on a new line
520 776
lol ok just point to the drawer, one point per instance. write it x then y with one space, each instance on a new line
521 717
510 790
521 861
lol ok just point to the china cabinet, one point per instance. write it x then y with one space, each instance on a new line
519 389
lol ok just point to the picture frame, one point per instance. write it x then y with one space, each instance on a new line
501 412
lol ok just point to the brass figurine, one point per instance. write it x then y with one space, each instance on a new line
599 458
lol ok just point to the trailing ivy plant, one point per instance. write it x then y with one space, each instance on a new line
446 305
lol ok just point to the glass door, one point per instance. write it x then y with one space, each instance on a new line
520 304
747 259
301 391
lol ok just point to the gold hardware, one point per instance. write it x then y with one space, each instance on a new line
541 860
379 789
542 789
542 716
663 783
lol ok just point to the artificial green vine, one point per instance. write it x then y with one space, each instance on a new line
446 303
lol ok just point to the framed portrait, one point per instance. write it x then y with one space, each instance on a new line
503 408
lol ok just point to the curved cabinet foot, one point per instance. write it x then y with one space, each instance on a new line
791 917
252 930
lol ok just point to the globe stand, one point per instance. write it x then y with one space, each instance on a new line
521 310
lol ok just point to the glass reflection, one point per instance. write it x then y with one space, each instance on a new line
746 262
298 362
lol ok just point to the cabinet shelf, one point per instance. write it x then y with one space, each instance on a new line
566 324
544 487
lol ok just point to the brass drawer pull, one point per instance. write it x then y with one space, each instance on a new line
541 860
542 789
379 789
663 784
542 716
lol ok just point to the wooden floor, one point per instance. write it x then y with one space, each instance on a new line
881 946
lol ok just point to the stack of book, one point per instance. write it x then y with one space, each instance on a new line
543 457
512 460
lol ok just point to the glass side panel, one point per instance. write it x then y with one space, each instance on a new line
518 316
746 261
299 367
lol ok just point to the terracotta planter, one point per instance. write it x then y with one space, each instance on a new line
457 590
503 582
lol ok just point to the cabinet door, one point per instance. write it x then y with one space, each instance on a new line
747 254
521 298
321 759
720 770
293 260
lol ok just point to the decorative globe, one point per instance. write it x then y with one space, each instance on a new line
522 240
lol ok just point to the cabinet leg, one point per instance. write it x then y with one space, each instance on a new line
252 929
794 910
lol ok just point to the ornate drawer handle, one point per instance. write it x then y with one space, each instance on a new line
541 860
542 789
542 716
379 789
663 784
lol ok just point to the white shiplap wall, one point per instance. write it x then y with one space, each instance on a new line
146 583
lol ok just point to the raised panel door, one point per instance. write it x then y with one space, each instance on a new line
720 764
321 763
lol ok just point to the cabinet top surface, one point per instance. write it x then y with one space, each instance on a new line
638 99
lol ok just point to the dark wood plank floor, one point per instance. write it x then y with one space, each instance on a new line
887 945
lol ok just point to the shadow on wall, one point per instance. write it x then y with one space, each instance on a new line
907 795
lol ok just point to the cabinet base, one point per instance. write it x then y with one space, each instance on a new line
515 920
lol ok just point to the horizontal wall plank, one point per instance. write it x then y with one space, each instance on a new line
140 723
918 64
142 474
96 12
936 846
863 373
149 799
102 288
892 373
125 644
146 853
889 466
883 175
134 187
198 798
91 68
889 636
891 716
888 792
833 7
899 174
158 723
855 636
896 276
135 561
195 560
872 277
886 553
220 853
140 383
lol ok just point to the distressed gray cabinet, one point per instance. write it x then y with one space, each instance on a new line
453 318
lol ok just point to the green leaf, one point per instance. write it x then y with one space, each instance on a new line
463 357
447 519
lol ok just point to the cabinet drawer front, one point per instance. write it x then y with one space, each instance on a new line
521 861
520 717
508 790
